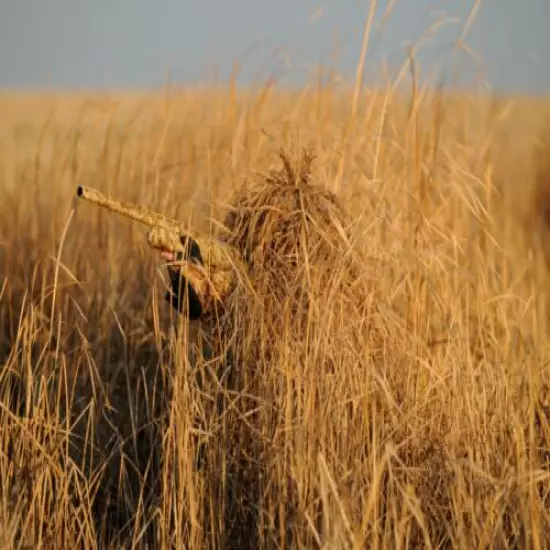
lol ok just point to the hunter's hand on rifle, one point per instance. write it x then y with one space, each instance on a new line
170 257
180 287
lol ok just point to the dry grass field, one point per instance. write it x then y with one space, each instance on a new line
421 419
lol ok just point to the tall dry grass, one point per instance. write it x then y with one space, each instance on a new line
436 435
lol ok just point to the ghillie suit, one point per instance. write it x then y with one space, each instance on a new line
293 312
282 303
290 244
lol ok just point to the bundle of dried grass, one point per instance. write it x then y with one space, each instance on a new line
294 240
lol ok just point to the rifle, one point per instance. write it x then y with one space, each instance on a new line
165 234
213 277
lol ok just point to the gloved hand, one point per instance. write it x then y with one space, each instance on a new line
180 289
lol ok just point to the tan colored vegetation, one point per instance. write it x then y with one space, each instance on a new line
408 407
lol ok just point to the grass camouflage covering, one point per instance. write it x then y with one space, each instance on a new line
294 240
301 297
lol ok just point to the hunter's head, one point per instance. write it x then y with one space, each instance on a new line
285 238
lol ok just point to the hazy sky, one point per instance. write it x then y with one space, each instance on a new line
134 43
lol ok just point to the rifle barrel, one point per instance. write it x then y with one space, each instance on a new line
132 211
